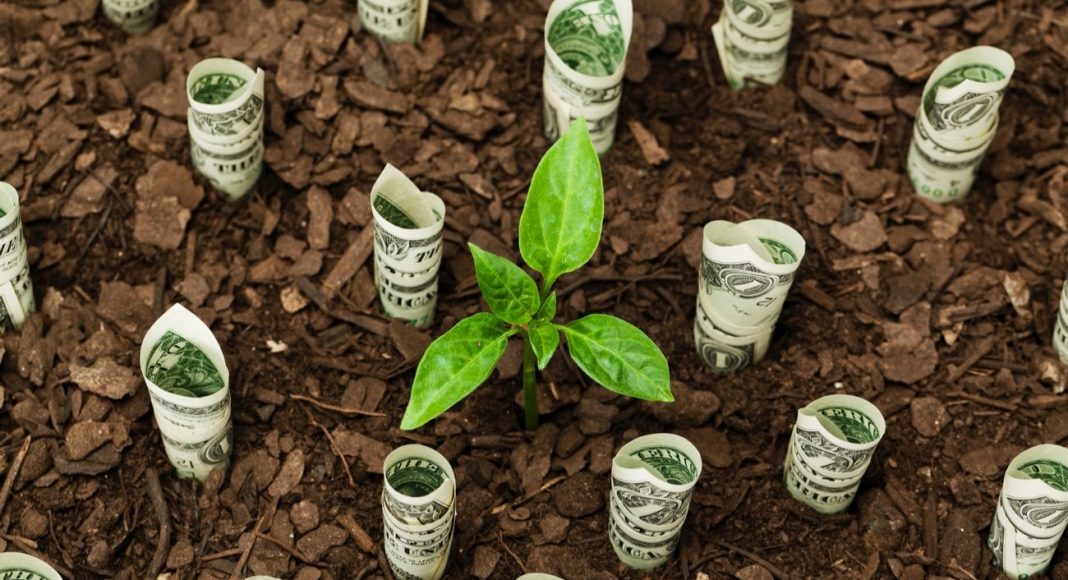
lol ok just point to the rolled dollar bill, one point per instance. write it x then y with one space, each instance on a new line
226 119
408 247
585 57
16 288
725 352
956 121
418 512
394 20
189 386
751 39
133 16
538 576
19 566
1032 511
831 447
652 482
1060 330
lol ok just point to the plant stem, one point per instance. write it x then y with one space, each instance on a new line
530 390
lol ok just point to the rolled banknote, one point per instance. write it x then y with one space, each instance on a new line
585 57
189 386
418 512
956 121
652 482
408 246
751 39
394 20
725 352
830 449
1032 511
16 288
133 16
19 566
1060 330
538 576
226 120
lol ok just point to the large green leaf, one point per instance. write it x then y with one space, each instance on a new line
510 292
455 365
619 356
544 338
561 222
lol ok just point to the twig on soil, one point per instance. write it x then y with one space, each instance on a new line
293 551
384 565
775 571
13 472
366 570
527 497
1003 405
359 535
335 408
334 447
522 566
223 554
96 232
980 351
247 551
163 543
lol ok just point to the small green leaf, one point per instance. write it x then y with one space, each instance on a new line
619 356
510 292
560 226
544 338
455 365
548 308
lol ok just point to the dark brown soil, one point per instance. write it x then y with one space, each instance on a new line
941 315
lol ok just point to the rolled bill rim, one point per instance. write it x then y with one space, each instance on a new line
857 453
32 567
625 9
253 85
628 468
9 204
444 493
990 55
1021 491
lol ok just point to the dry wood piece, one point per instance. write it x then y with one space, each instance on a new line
163 543
359 535
351 261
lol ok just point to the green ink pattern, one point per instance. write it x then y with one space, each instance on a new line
672 465
1052 473
415 477
855 427
216 89
178 366
394 214
588 37
780 252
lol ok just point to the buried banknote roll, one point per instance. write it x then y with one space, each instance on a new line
1032 511
957 120
745 275
19 566
394 20
16 288
133 16
226 119
652 482
1060 328
830 449
585 57
751 40
189 386
408 247
418 512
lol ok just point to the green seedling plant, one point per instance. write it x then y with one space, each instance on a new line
559 231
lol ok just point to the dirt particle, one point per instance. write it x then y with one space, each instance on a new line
304 515
316 543
579 495
692 408
753 572
106 378
289 475
929 416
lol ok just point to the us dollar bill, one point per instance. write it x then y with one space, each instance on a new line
189 387
586 45
19 566
1060 329
16 288
830 449
724 352
226 120
418 512
751 39
394 20
133 16
408 247
1032 511
956 122
652 483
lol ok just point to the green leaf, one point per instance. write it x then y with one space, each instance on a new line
548 308
561 222
544 338
510 292
455 365
619 356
